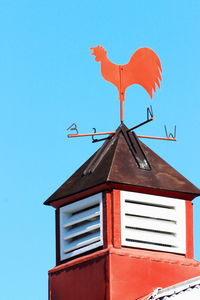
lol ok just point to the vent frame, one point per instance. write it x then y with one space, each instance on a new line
81 226
153 222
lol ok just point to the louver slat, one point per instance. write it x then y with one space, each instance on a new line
153 222
82 230
81 226
82 216
82 242
150 223
150 236
150 211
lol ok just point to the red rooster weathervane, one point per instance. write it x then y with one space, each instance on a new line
144 68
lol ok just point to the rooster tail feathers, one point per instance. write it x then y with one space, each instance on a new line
146 67
157 82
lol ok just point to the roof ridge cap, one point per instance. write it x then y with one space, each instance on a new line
113 158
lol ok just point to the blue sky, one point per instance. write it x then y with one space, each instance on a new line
48 80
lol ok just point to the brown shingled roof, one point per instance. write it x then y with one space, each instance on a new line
126 160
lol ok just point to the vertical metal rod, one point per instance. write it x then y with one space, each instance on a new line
122 111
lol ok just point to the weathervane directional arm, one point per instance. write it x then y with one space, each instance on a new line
169 137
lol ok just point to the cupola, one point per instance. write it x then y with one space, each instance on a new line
123 216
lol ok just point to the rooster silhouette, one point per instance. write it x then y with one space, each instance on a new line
144 68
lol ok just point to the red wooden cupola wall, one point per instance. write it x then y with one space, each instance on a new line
124 225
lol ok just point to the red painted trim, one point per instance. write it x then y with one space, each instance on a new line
142 254
120 186
78 196
116 219
79 260
189 230
160 256
57 222
146 190
107 219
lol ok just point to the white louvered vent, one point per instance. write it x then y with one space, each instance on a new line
153 222
81 226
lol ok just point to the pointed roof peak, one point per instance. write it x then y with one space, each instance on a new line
123 159
133 145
